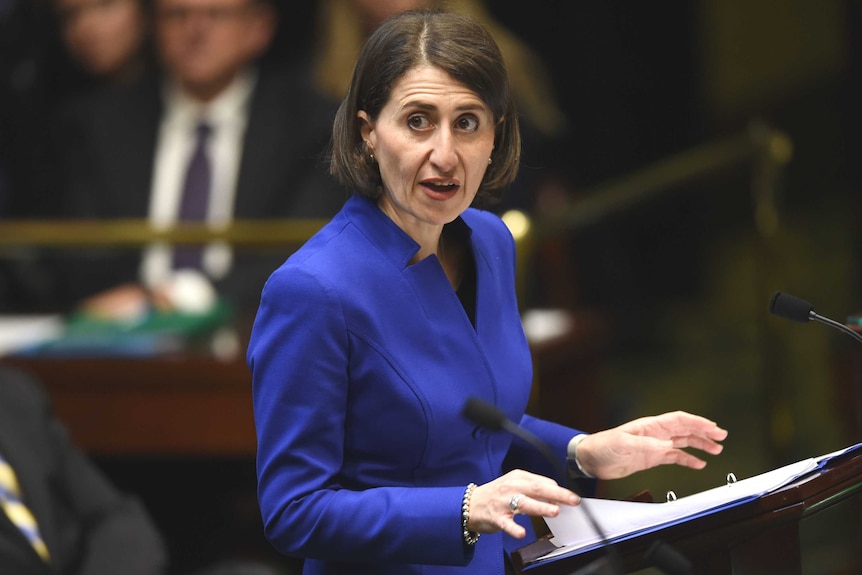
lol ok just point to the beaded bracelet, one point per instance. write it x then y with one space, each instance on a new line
470 537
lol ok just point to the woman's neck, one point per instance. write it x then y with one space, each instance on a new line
451 255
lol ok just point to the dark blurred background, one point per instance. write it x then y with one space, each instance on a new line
682 280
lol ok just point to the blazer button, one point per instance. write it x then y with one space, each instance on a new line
479 432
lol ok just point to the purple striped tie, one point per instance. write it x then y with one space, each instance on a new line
195 200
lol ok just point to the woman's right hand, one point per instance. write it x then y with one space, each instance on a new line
490 505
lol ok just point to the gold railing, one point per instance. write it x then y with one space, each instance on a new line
115 233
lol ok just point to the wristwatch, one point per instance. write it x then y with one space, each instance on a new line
572 464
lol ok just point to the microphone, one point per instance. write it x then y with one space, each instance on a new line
795 309
662 555
490 417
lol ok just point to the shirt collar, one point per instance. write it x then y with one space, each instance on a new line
183 111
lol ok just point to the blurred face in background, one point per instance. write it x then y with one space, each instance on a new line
203 44
105 37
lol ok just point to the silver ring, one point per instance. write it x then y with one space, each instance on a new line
513 504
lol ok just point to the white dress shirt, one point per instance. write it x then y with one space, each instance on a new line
227 115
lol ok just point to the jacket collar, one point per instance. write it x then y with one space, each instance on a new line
385 234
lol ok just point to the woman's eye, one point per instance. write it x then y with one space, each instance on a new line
417 122
468 124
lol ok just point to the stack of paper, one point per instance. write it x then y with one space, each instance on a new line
622 519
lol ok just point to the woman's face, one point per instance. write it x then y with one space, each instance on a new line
432 141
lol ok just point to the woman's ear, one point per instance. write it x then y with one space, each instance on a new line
366 128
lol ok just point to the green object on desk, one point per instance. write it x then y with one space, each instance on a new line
155 333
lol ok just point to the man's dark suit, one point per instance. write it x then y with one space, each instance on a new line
111 145
88 526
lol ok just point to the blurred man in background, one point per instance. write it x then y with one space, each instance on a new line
216 137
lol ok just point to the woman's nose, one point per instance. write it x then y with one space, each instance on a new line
443 154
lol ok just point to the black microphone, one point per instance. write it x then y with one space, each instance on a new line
487 415
660 554
795 309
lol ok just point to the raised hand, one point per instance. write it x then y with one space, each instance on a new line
648 442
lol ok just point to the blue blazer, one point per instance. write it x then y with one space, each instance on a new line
361 365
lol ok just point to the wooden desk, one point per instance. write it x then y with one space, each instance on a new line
179 432
197 405
189 405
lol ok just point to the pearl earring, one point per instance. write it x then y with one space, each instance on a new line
489 161
371 157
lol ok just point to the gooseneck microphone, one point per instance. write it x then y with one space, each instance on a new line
795 309
660 554
490 417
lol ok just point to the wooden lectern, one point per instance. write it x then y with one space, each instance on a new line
759 537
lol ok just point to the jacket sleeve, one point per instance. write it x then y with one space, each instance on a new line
522 455
299 358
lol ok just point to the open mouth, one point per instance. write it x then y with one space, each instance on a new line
442 188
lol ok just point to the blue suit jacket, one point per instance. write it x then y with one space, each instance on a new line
361 366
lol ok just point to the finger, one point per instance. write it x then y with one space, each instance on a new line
648 444
684 423
543 488
513 529
697 442
684 459
554 496
708 429
537 508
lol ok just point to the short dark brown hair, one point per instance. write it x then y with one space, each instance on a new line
457 45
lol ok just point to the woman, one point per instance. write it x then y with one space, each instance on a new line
370 339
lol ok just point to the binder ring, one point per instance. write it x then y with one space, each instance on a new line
731 478
671 496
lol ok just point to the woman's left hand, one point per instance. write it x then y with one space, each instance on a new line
648 442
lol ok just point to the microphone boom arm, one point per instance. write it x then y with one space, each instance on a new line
837 325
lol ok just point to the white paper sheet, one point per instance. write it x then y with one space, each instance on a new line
572 530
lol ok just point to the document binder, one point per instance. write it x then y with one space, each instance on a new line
622 520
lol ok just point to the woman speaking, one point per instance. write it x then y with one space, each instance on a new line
370 338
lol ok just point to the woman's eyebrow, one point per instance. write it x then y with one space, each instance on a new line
427 106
